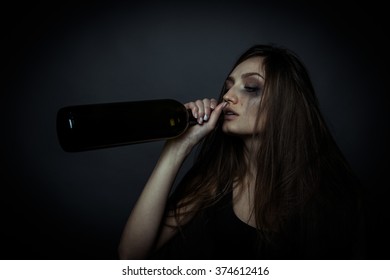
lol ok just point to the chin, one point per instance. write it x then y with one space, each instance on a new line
227 129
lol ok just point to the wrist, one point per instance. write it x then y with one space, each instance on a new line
179 148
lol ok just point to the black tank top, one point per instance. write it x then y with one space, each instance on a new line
215 233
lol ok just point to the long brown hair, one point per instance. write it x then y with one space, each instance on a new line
298 162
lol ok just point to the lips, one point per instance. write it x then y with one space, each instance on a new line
229 113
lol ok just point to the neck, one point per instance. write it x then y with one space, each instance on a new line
250 155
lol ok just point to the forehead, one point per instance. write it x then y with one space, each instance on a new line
253 64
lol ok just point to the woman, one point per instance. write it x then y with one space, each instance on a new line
269 181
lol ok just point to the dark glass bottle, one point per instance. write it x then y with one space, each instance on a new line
96 126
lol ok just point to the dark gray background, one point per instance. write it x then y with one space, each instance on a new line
57 205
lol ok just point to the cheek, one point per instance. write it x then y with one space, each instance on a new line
252 114
262 121
252 107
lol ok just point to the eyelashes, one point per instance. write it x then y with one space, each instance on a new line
251 89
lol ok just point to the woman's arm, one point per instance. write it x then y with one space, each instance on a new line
144 221
143 225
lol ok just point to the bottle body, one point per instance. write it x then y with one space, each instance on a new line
96 126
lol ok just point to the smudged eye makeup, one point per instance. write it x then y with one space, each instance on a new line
247 88
252 84
253 89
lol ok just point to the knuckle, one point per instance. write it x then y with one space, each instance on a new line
190 104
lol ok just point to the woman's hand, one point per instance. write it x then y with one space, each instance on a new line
201 109
207 112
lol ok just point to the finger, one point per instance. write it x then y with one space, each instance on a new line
216 113
193 107
213 103
207 109
201 110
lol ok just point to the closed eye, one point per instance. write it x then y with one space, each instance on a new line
252 89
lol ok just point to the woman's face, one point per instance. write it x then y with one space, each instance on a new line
244 88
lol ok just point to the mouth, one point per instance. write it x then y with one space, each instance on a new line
229 114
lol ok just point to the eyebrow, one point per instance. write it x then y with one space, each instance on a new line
251 74
245 75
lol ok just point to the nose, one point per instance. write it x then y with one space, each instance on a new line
230 96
